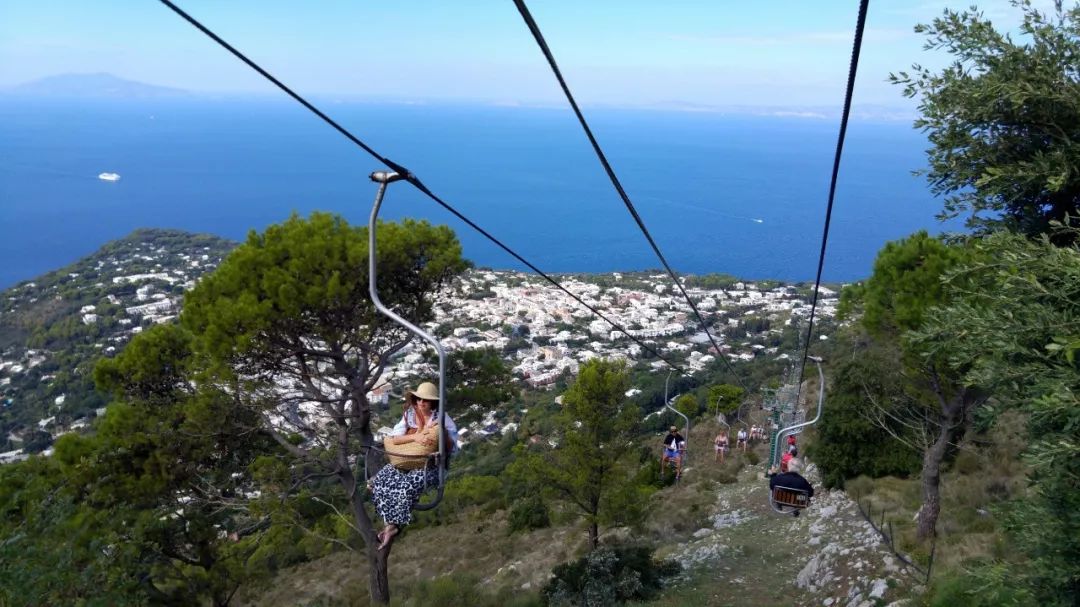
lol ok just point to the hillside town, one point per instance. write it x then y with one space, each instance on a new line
542 332
556 334
81 313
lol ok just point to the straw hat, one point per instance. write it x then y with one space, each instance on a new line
425 391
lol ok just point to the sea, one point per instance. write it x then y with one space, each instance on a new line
735 194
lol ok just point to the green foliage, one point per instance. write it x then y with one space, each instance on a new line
1019 315
291 307
608 576
477 376
153 367
529 513
1003 118
906 282
56 551
711 281
983 586
470 491
725 398
687 404
36 441
595 428
307 279
852 439
156 469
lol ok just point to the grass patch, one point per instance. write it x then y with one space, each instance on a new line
986 471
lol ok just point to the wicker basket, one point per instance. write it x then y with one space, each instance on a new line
412 456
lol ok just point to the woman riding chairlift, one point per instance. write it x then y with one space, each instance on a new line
418 459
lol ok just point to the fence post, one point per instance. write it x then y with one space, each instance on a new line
892 538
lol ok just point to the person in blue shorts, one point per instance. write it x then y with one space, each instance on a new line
674 446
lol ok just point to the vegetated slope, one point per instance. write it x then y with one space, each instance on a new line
53 328
716 523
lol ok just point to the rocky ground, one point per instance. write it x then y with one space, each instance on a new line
750 555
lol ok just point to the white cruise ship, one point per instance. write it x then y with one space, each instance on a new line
109 176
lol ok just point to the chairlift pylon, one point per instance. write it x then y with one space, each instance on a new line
384 178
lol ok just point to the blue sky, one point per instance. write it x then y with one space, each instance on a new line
786 53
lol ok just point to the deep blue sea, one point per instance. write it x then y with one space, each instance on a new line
740 195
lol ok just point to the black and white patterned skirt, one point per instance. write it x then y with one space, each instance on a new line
395 492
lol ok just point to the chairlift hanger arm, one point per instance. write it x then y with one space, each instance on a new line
385 178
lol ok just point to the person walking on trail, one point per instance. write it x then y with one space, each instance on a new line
742 439
721 443
674 447
396 488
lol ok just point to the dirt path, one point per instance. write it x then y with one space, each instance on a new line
752 556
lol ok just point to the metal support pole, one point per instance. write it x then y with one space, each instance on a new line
384 178
791 429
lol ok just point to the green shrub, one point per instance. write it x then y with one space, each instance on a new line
529 513
467 491
649 472
608 576
465 591
849 444
984 586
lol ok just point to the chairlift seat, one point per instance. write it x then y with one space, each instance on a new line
788 497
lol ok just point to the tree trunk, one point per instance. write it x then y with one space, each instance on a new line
378 576
952 418
378 560
594 535
931 484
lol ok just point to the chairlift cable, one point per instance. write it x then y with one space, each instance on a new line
409 177
539 36
852 70
786 497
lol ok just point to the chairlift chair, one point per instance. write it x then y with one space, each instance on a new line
686 436
438 459
787 500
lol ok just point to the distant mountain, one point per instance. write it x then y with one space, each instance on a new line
93 86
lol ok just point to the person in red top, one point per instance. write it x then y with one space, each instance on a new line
784 461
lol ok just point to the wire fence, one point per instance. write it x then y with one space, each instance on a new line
884 528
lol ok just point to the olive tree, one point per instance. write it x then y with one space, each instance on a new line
1003 118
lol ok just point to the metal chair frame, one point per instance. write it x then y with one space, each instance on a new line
384 178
